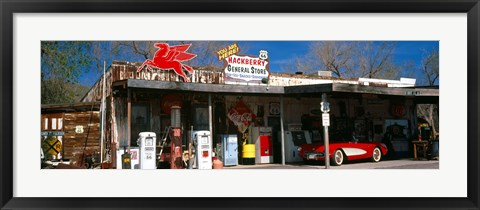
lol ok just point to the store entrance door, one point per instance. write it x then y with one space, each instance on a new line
274 122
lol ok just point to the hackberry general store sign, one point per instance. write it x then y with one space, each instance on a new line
246 68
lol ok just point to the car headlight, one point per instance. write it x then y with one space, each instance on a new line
299 149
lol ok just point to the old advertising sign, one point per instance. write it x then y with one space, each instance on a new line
169 58
241 116
246 68
228 51
398 110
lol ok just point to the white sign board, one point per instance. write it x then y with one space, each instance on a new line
326 119
245 68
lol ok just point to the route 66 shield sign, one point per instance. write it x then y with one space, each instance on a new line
79 129
263 55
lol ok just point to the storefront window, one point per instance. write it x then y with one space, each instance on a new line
140 121
201 119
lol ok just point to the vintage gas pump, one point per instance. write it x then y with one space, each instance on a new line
147 141
176 139
203 147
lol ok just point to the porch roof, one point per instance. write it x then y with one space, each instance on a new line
279 90
354 88
199 87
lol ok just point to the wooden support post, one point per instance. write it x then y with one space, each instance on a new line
282 131
210 119
129 120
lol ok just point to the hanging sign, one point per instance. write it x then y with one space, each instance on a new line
241 116
247 68
169 58
228 51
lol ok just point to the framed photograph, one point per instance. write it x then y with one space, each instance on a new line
26 25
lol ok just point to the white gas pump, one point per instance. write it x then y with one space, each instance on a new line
203 149
147 143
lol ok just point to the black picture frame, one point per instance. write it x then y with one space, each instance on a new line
10 7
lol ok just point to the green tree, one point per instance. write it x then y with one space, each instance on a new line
62 62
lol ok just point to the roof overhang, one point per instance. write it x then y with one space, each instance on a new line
352 88
73 107
199 87
279 90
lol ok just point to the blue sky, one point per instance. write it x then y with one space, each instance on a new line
282 52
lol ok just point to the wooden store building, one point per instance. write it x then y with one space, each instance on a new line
225 102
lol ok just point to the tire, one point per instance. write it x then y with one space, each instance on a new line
338 158
376 155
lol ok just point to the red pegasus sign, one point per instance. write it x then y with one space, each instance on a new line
170 57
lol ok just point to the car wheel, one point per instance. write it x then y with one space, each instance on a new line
377 155
337 158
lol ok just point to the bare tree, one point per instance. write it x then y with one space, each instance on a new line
146 50
407 68
430 69
375 60
336 57
430 66
348 59
297 64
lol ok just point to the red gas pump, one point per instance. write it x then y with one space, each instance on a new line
176 139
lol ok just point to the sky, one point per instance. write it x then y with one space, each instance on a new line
284 52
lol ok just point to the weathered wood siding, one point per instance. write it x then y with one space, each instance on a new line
96 92
73 142
127 70
120 120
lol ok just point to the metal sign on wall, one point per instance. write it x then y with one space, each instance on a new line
247 68
241 116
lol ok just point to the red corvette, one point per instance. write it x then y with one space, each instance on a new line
341 151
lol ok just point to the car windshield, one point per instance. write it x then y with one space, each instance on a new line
340 137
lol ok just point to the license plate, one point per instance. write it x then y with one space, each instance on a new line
311 156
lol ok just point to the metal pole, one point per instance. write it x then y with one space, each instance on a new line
282 133
325 108
327 157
